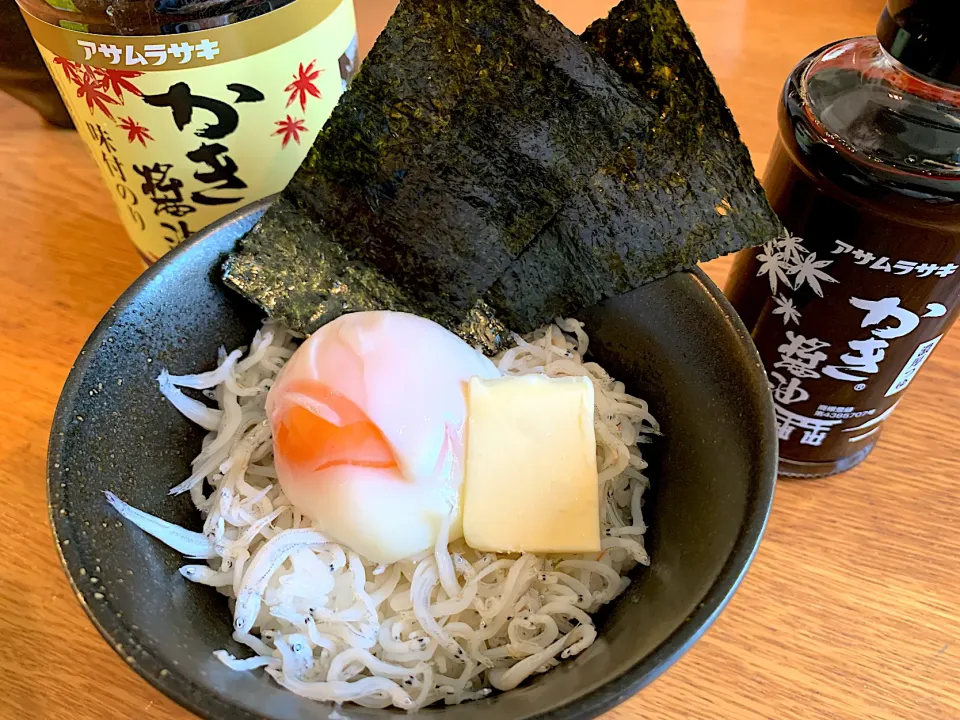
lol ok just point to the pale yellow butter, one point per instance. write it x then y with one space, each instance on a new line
530 483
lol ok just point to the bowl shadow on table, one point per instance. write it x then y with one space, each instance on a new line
675 342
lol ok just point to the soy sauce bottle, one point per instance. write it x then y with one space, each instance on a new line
865 175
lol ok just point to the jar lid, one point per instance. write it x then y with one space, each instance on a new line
922 34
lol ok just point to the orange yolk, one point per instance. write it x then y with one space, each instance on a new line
306 439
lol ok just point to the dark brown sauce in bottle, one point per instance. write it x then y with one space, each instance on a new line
865 175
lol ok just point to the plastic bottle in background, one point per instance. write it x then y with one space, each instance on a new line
194 108
865 175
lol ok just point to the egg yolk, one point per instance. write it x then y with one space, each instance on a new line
320 428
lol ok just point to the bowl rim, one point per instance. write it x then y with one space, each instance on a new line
181 688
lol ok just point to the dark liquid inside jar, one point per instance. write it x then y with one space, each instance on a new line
150 17
864 175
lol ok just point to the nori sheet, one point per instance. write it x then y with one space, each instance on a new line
291 268
487 164
685 193
470 124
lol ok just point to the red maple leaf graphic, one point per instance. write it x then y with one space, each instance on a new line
89 89
290 129
303 85
119 80
95 83
71 69
135 131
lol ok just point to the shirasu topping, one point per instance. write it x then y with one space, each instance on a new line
450 625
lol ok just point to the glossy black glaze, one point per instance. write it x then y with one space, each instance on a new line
675 342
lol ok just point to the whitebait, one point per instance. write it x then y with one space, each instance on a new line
192 544
448 626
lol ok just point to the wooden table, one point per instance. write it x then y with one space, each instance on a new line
851 610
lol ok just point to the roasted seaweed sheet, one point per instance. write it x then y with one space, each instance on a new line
486 157
470 125
685 193
295 271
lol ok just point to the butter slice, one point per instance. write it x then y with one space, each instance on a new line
530 483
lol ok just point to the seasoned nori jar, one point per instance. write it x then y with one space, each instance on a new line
194 108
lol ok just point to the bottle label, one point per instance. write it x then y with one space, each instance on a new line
852 314
189 127
913 366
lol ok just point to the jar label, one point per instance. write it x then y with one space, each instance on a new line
189 127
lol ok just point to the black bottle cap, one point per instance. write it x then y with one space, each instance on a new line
923 35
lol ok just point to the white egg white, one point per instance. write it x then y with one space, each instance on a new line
408 375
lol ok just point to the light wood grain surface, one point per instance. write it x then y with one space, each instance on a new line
851 609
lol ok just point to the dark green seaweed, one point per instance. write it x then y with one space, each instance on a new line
291 268
471 123
488 164
686 193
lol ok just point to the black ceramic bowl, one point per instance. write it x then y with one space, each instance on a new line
675 342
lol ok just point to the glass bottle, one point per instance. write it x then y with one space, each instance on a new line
865 175
194 108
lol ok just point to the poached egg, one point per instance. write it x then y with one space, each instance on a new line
368 420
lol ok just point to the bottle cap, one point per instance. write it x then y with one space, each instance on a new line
922 34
